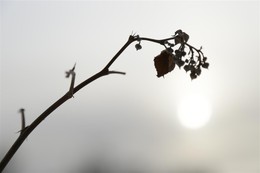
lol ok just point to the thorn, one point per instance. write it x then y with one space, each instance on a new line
133 33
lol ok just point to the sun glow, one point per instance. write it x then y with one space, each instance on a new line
194 111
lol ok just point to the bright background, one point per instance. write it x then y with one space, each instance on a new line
129 123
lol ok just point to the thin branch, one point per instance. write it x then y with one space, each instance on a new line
162 41
116 72
130 40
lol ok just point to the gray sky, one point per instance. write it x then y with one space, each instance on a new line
129 123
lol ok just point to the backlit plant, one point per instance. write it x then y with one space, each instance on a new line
176 52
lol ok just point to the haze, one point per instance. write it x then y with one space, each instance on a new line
129 123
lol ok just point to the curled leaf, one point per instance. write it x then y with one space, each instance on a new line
164 63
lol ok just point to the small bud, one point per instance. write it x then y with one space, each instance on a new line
169 49
192 62
186 68
192 68
138 46
180 63
205 65
178 52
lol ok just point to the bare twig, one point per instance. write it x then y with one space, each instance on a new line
58 103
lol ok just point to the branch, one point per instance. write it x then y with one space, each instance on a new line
105 71
59 102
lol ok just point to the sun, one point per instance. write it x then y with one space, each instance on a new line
194 111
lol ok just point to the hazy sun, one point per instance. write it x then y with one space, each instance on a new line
194 111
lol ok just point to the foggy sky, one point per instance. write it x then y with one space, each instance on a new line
129 123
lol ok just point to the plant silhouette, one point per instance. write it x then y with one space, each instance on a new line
176 51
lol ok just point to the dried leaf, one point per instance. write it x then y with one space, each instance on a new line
164 63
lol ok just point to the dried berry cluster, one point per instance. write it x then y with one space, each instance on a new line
185 55
179 53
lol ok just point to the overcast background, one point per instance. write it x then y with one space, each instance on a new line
129 123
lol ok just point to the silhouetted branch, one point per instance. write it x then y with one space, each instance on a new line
169 59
